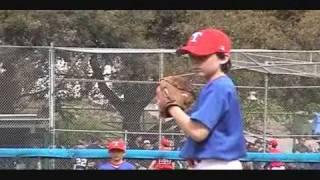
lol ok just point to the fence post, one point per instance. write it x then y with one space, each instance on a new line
52 99
265 113
160 76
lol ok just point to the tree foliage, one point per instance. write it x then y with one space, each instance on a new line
277 29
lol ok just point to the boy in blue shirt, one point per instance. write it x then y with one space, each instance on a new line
214 126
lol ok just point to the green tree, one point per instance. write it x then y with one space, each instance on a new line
143 29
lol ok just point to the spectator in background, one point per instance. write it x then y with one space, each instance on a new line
272 146
80 163
300 146
182 164
138 143
84 163
116 149
312 145
144 163
147 145
274 165
259 144
258 147
94 143
163 164
248 165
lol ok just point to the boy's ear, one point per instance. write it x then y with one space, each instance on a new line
225 60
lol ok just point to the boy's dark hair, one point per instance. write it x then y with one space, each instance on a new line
227 66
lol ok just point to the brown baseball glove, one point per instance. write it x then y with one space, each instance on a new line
174 91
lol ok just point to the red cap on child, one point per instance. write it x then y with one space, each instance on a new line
205 42
116 144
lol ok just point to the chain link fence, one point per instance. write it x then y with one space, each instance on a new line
101 94
24 118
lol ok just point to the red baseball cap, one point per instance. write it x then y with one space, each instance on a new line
116 144
273 143
205 42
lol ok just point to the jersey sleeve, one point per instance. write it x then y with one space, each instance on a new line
211 108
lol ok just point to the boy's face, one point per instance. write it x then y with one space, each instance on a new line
206 66
116 154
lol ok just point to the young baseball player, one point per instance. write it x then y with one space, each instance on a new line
274 165
84 163
80 163
116 150
163 164
214 126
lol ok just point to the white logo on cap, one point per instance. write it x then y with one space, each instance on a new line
222 48
195 36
